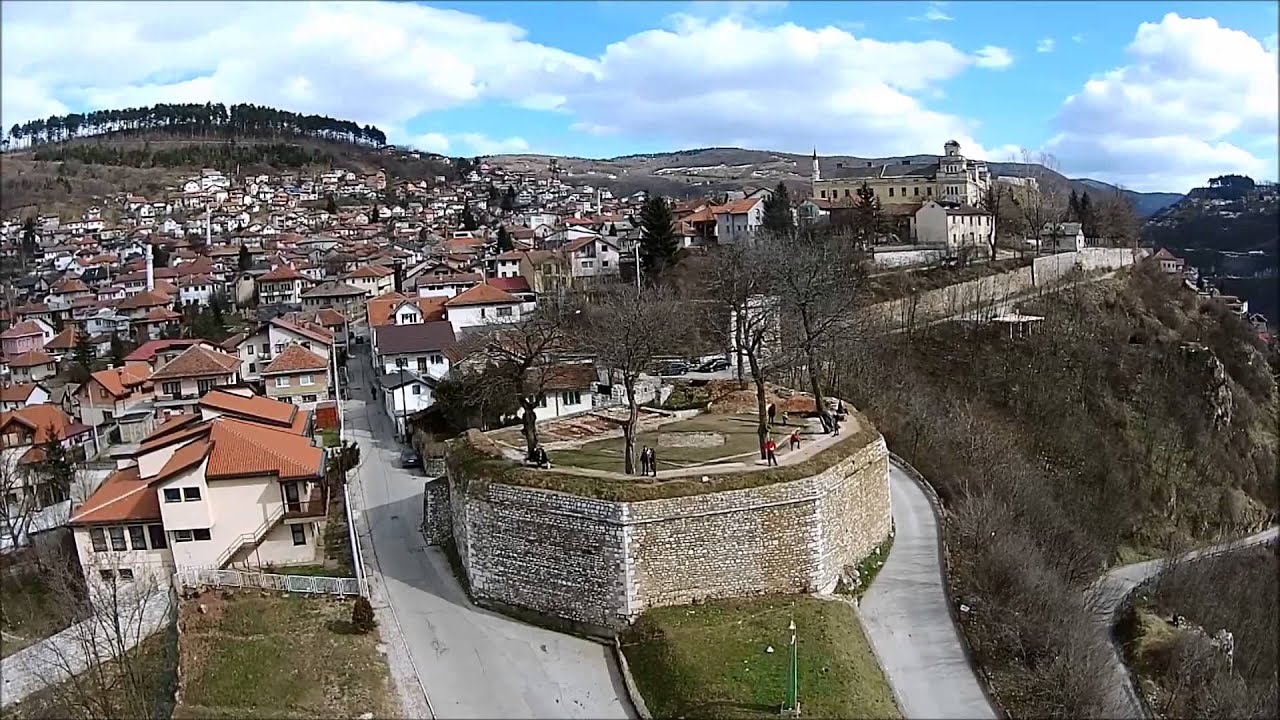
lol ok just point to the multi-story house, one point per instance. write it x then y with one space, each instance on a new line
297 375
237 485
950 178
592 257
483 304
28 335
375 280
13 396
415 346
24 434
346 299
109 394
32 366
282 285
404 393
739 220
181 383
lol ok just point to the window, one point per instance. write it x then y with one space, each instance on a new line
191 494
171 388
890 192
482 314
157 537
253 367
172 495
250 350
279 348
847 193
406 318
604 263
587 264
570 397
282 382
306 344
137 537
422 364
928 191
542 401
437 359
306 380
107 575
201 534
308 398
299 534
99 539
915 191
126 574
506 311
417 389
117 539
182 536
204 386
824 194
266 349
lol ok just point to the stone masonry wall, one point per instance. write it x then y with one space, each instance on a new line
602 563
436 513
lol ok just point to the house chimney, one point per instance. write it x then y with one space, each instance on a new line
151 270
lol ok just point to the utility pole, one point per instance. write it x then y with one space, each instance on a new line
791 708
404 420
637 249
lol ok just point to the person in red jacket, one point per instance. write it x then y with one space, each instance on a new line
771 451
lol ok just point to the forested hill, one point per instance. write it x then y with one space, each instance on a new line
210 120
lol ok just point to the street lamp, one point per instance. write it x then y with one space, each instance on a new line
792 706
403 429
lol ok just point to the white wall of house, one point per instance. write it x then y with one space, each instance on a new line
186 513
425 363
279 548
404 401
566 402
156 563
237 508
474 315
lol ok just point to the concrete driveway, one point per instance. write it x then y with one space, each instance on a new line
472 663
908 622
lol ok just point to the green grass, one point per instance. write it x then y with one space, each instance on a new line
475 466
329 438
337 539
278 656
738 431
711 660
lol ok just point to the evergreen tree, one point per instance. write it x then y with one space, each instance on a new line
778 219
868 217
658 235
504 240
216 307
331 205
246 259
160 256
28 242
492 193
375 214
1086 215
468 219
509 200
117 350
1073 207
84 351
55 467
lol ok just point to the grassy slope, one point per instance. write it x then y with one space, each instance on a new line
711 660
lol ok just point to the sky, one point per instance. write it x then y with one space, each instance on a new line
1153 96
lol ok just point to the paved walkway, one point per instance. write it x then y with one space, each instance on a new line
472 663
908 621
69 652
1109 591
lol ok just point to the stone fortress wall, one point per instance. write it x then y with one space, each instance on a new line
597 564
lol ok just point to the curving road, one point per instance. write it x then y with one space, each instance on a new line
472 663
908 620
1109 591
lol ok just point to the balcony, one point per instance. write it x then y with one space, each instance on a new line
316 505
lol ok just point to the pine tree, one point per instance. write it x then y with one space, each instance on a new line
117 350
509 199
246 260
84 350
375 215
778 219
468 219
1073 207
1086 215
160 256
868 217
56 466
504 240
658 235
331 205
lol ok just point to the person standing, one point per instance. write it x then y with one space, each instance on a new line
644 460
795 439
772 411
771 452
653 462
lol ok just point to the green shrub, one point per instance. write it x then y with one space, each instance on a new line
362 618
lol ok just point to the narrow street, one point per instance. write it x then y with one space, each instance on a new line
472 663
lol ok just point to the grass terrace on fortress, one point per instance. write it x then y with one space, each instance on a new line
582 544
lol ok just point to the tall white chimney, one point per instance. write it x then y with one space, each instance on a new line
151 269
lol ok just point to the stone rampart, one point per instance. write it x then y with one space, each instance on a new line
599 563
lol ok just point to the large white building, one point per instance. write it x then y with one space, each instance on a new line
950 178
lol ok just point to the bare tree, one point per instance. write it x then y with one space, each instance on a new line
93 670
997 200
815 276
1041 203
628 331
1118 219
737 287
519 359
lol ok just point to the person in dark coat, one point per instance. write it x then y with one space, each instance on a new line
544 461
653 462
644 460
772 411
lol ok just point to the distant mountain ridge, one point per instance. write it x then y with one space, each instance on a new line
710 170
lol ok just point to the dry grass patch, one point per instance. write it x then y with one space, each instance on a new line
278 655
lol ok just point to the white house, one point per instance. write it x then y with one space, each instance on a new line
482 305
739 220
953 227
416 346
592 256
405 393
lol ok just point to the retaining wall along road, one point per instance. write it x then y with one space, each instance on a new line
599 563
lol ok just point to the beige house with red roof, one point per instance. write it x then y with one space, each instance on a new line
26 336
235 484
297 375
375 280
32 366
109 394
181 383
483 304
13 396
282 285
23 432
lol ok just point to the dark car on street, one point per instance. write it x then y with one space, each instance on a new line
714 365
675 367
410 459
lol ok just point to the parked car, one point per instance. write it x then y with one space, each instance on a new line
675 367
714 365
410 459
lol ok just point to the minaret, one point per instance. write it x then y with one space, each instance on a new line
817 171
151 270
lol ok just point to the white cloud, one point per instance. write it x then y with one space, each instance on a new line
993 57
934 13
1192 93
731 80
1077 38
1045 45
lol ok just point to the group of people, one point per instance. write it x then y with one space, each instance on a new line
649 461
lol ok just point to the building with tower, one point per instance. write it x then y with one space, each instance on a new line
948 179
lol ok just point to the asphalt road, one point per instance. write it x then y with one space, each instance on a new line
1109 591
907 619
472 663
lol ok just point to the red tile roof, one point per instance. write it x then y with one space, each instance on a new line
26 328
31 359
124 496
482 294
282 274
197 361
295 358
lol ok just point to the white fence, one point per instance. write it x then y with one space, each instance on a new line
198 578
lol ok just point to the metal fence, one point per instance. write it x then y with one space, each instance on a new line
197 578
